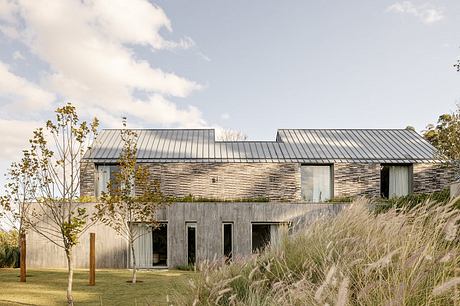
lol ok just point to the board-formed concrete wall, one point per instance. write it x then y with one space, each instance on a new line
111 250
455 190
273 181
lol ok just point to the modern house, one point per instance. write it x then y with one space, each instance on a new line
242 193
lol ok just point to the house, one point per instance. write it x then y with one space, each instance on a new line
245 192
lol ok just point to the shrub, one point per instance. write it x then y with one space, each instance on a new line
355 258
9 250
412 200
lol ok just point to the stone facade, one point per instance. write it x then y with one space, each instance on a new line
229 181
273 181
432 177
356 180
87 179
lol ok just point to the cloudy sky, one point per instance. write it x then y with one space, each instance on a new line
254 66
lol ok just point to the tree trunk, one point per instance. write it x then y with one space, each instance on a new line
133 255
69 276
22 257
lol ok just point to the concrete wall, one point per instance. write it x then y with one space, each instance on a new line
112 251
455 190
274 181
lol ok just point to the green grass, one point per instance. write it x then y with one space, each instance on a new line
48 287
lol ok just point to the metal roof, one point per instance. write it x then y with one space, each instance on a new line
291 145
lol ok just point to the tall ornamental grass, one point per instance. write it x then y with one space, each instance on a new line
397 257
9 250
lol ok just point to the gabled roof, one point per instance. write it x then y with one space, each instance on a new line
291 145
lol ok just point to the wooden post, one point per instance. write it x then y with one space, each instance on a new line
22 257
92 259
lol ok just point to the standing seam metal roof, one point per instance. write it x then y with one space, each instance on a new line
316 146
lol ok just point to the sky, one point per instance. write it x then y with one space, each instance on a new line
253 66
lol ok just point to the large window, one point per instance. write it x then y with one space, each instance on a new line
264 234
395 180
151 246
316 183
105 174
142 245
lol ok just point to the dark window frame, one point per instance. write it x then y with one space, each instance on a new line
411 178
231 255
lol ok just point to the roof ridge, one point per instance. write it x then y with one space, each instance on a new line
160 129
345 129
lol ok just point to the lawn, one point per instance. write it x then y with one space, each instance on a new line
47 287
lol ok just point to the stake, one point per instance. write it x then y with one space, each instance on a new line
92 259
22 257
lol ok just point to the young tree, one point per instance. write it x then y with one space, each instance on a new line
132 199
55 156
16 202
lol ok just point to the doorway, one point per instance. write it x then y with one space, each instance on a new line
160 245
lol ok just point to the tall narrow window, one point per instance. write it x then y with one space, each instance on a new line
227 237
316 183
395 180
160 245
191 243
105 174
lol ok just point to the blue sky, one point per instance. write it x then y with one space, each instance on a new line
253 66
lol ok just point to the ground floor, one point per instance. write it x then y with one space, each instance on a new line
187 233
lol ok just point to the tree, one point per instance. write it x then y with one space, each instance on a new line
132 197
19 194
55 156
445 136
231 135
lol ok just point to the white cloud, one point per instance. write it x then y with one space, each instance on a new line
225 116
15 135
17 55
22 94
8 10
426 13
93 61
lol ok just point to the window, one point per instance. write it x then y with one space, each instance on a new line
151 246
105 174
227 240
316 183
191 243
395 180
160 245
264 234
142 245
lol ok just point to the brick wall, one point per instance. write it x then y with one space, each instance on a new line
432 177
275 181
